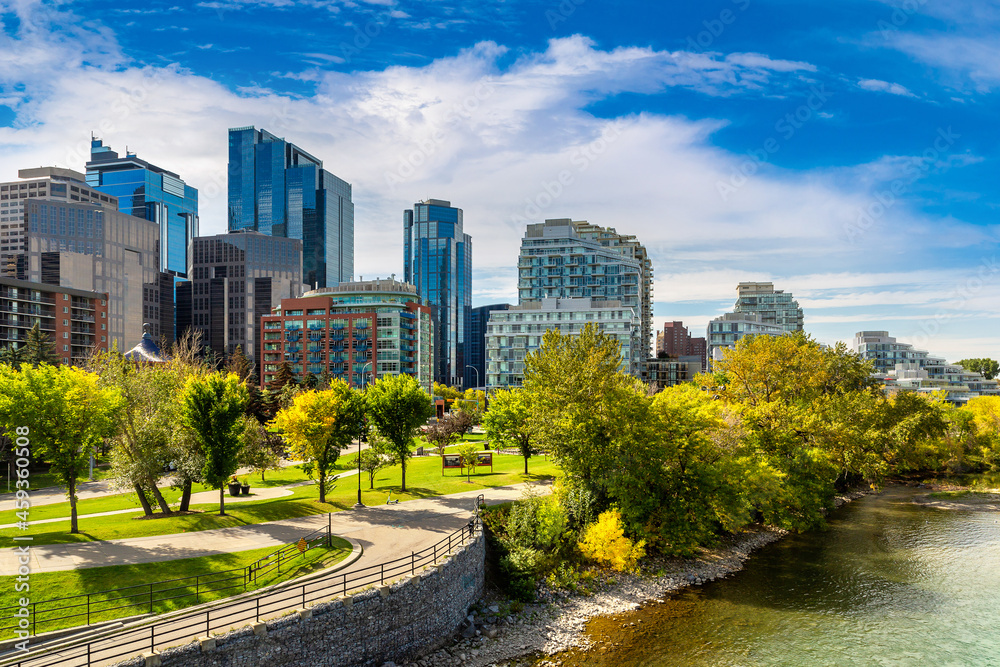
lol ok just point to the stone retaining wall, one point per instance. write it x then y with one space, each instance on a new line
396 622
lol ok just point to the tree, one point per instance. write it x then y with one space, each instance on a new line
240 365
319 424
508 422
376 457
13 356
39 348
283 377
397 406
441 435
145 424
587 412
212 407
64 413
259 449
461 421
987 367
470 459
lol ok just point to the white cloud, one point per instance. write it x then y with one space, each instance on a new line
877 85
510 144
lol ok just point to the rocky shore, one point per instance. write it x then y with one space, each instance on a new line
495 635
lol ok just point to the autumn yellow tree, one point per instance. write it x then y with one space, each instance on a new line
318 425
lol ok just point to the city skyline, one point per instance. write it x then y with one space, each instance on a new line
860 129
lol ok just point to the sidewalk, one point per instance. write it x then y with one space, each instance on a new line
385 532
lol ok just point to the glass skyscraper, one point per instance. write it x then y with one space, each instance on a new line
278 189
437 258
151 193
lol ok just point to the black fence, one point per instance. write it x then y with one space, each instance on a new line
185 627
83 609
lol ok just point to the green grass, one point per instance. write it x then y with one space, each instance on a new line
44 480
97 581
124 501
423 480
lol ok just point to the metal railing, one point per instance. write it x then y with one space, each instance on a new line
85 608
183 628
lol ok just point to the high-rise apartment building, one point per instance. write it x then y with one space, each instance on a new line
89 248
676 341
152 193
278 189
901 366
727 330
71 318
437 259
356 331
562 258
235 280
512 334
475 344
774 306
50 184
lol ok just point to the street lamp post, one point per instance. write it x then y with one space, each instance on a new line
359 503
477 375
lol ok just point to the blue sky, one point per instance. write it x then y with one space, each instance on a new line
846 151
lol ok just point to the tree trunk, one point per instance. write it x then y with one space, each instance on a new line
142 500
402 463
322 487
222 501
526 463
186 495
371 481
164 505
73 525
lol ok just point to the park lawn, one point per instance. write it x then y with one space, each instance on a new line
123 501
106 583
423 480
45 480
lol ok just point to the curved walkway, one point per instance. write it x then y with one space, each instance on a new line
385 531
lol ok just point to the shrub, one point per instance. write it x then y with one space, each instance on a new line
604 542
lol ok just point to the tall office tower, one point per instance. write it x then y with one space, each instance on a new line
774 306
437 258
151 193
563 258
48 183
475 359
278 189
235 280
89 248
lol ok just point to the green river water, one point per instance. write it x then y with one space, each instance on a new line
890 582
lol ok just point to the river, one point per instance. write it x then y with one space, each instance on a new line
890 582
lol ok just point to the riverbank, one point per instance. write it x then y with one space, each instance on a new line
539 631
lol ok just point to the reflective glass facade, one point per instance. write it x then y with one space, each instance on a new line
151 193
475 359
278 189
437 259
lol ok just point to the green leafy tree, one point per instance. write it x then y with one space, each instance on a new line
283 377
318 425
145 424
470 459
987 367
508 422
65 414
397 407
39 348
211 407
259 451
441 435
376 457
589 414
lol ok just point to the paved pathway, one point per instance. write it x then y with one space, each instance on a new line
394 529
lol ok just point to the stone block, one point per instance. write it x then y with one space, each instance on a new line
207 644
152 659
384 591
304 614
260 629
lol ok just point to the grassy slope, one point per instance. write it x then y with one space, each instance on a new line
50 585
423 479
